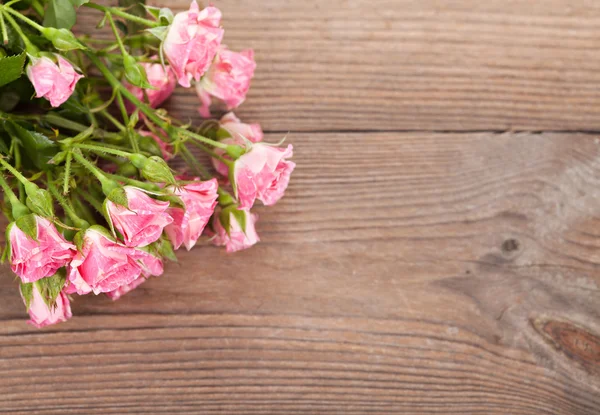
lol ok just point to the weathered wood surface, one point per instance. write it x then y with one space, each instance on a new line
417 64
404 272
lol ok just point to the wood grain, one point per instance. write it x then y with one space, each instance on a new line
414 273
414 64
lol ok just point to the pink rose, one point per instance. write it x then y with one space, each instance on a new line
163 81
236 239
41 314
51 81
200 199
192 42
35 259
165 148
103 265
124 289
240 132
228 79
143 221
262 173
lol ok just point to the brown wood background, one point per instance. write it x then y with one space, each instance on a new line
438 251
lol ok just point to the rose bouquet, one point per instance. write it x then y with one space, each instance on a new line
93 205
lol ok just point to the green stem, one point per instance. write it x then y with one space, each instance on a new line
116 33
14 172
108 185
29 47
99 149
79 222
88 197
151 113
205 140
211 153
67 173
37 7
17 155
112 119
137 183
26 19
59 121
134 144
12 197
193 163
4 31
118 12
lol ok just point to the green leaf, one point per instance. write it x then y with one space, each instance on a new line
28 225
165 16
77 3
7 250
27 293
11 68
60 14
165 249
159 32
52 286
39 148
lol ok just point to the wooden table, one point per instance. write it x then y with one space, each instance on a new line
438 251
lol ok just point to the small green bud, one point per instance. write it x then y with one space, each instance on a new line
135 73
62 39
127 170
154 168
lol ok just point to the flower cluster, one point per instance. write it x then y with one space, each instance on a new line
92 203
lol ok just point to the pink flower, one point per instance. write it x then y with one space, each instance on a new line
262 173
124 289
240 132
165 148
41 314
192 42
143 221
163 81
35 259
236 239
103 265
200 199
228 79
51 81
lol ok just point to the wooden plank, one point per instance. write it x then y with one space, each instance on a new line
403 273
414 64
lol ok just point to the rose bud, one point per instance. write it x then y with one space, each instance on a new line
151 266
262 173
55 82
228 79
192 42
162 81
40 251
40 312
200 199
103 265
239 133
234 229
142 221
